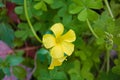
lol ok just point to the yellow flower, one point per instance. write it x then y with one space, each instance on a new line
59 44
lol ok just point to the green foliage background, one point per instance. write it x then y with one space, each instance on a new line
91 55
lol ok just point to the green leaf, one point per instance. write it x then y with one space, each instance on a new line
41 54
92 15
87 66
73 9
19 72
85 71
95 4
57 4
6 33
96 58
104 24
42 51
41 5
1 5
88 76
23 26
38 5
20 34
49 32
6 70
117 62
58 75
37 13
115 6
81 54
87 14
78 2
75 71
116 69
66 17
41 27
18 1
23 32
109 76
82 16
14 60
44 7
43 74
1 74
85 6
19 10
100 41
75 76
49 1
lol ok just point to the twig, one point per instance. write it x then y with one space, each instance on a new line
24 49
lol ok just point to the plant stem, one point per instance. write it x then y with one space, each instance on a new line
29 22
103 65
90 27
109 9
108 60
35 66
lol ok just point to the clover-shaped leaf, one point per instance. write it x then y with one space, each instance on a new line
57 4
66 17
24 31
40 5
84 8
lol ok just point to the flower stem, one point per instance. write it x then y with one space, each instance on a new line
108 60
29 22
109 9
90 27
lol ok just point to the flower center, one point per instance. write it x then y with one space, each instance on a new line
58 40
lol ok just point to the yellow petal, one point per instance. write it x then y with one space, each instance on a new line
62 59
54 63
57 52
57 29
68 48
69 36
48 40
